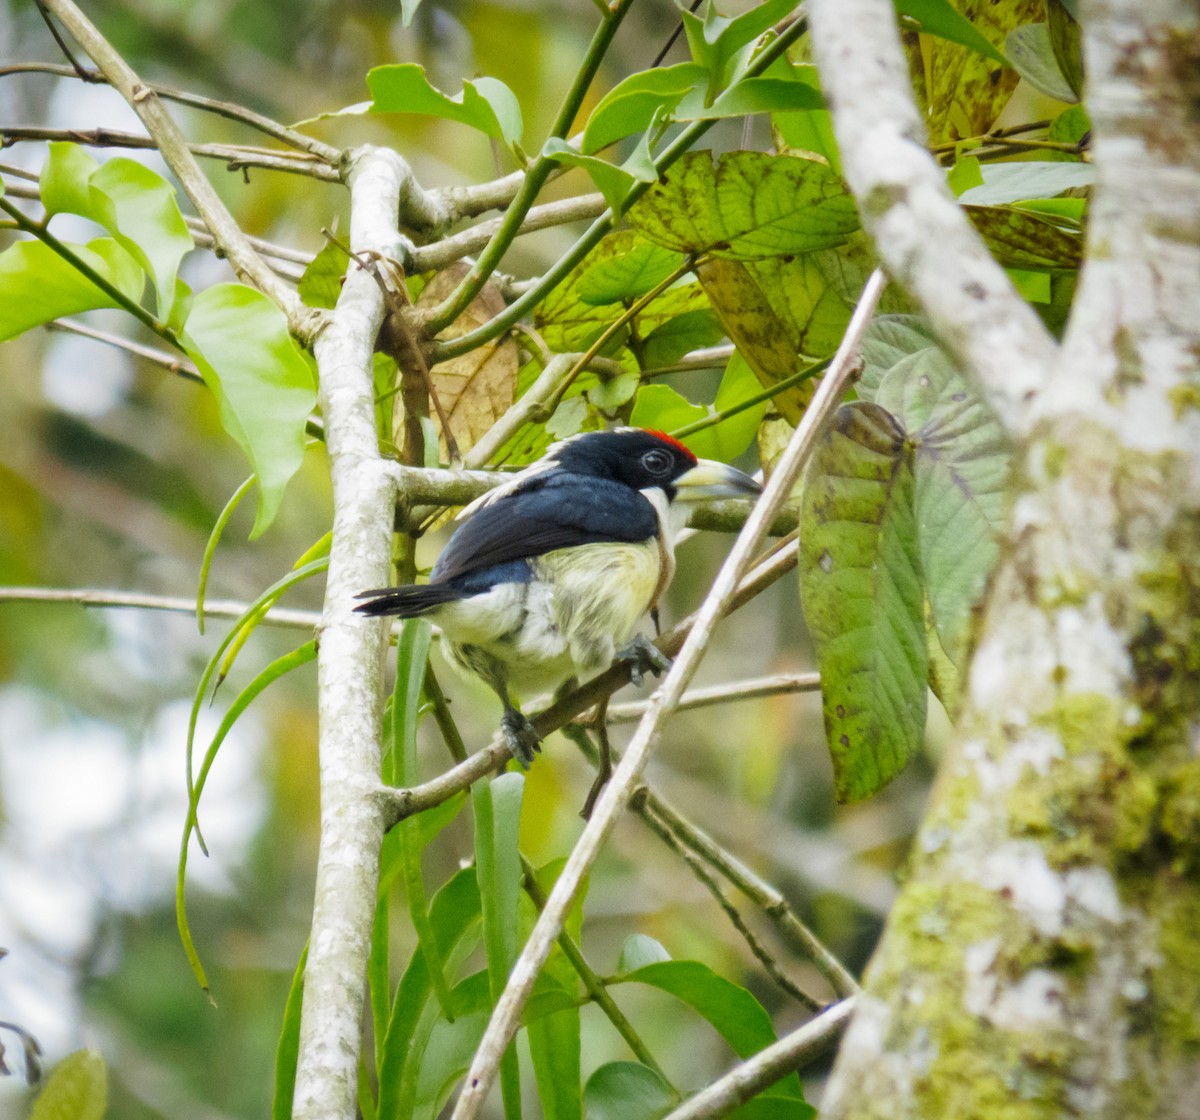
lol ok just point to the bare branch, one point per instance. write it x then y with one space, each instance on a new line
768 1066
505 1017
104 597
724 694
182 366
919 230
281 132
450 249
236 156
350 664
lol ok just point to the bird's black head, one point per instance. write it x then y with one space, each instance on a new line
638 458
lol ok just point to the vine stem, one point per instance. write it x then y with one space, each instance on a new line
506 1017
591 237
457 302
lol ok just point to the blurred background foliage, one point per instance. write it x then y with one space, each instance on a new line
112 472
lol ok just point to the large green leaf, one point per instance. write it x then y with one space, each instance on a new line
37 285
962 470
77 1089
568 320
133 203
1019 239
486 104
939 18
1032 54
497 806
860 582
747 206
629 276
631 105
240 343
785 94
1024 179
887 340
627 1091
967 91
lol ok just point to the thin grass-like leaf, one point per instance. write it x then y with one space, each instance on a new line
288 1049
210 549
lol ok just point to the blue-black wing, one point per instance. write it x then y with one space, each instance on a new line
550 513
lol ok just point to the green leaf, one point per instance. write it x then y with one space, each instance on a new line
965 174
610 180
811 132
860 582
497 806
240 343
485 104
723 44
37 285
287 1051
77 1089
629 276
939 18
1019 239
732 1011
966 89
887 340
748 97
555 1047
963 462
568 322
631 105
321 283
627 1091
1025 179
133 203
660 407
1067 40
747 206
639 951
1034 59
693 330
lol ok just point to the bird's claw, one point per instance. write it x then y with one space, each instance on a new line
520 737
643 656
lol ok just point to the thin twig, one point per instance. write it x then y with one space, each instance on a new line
277 131
724 694
770 965
752 1076
235 155
181 366
174 604
450 249
506 1016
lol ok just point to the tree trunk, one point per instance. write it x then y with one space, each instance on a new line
1043 958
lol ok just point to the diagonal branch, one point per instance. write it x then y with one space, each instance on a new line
919 230
249 266
768 1066
506 1016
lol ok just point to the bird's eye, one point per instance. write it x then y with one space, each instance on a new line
656 461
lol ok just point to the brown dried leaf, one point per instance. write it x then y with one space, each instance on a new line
477 388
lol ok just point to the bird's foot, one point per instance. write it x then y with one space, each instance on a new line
643 656
520 737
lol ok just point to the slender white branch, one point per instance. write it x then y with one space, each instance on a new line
349 665
175 604
920 232
767 1066
506 1016
723 694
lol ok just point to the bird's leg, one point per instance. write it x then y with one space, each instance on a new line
643 656
605 769
519 736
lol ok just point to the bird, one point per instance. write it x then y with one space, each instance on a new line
547 576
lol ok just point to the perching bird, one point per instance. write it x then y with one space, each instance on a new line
548 574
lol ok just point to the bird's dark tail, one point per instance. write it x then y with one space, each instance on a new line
406 602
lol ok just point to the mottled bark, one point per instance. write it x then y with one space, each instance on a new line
1043 958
